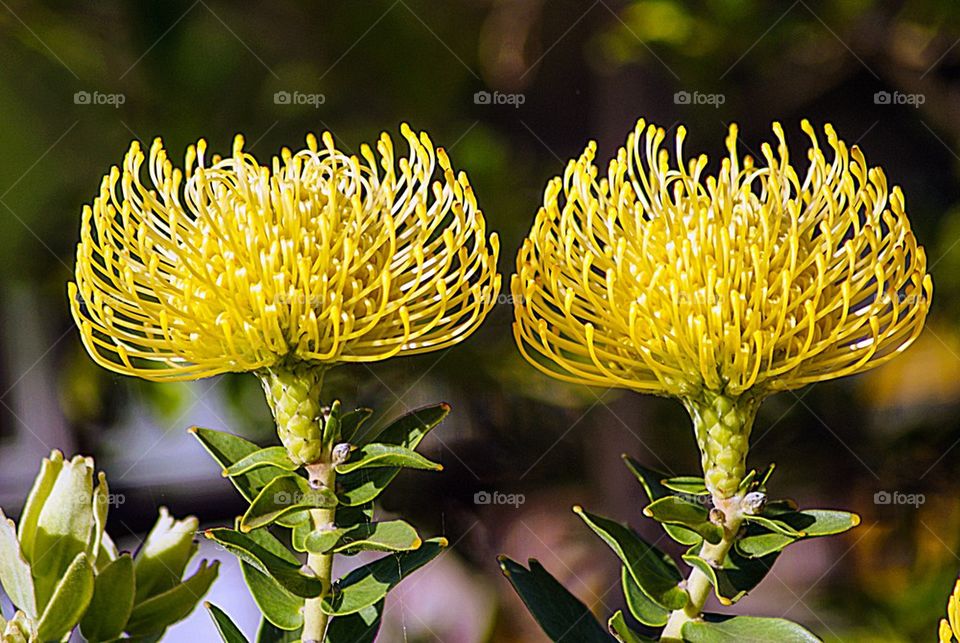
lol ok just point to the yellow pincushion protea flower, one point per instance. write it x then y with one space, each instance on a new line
950 626
718 289
283 269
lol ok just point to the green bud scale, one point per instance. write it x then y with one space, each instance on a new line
722 425
293 393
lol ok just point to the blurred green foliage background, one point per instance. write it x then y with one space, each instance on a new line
80 80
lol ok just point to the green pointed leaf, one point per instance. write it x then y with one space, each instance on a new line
350 424
359 627
282 496
687 485
410 429
364 485
366 585
650 480
391 535
622 632
107 552
159 612
774 525
377 454
163 557
279 606
228 449
42 486
14 570
270 633
674 510
64 526
747 628
331 427
765 476
112 603
229 632
289 575
561 615
760 543
69 600
811 523
640 605
737 576
269 457
653 571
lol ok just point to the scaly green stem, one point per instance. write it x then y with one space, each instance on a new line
315 621
722 425
698 584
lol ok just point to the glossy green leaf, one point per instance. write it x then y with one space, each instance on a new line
757 545
364 485
228 631
392 535
687 485
14 570
563 618
811 523
747 628
159 612
163 557
622 632
42 486
774 525
408 430
673 510
69 600
367 585
654 572
650 480
640 605
275 457
377 454
279 606
112 603
64 526
289 575
282 496
737 576
227 449
359 627
351 423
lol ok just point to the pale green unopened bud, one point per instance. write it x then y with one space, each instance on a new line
722 425
294 396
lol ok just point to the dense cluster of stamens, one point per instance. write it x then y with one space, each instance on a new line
321 257
660 278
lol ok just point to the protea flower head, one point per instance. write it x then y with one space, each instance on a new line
719 289
950 626
283 269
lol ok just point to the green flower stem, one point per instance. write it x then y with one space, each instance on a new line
698 584
722 425
315 621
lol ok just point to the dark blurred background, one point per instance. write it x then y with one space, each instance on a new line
512 88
